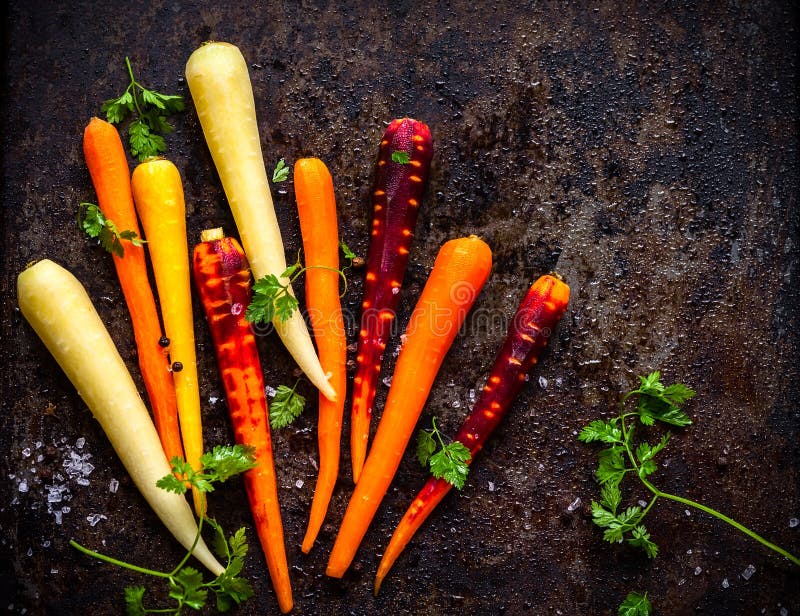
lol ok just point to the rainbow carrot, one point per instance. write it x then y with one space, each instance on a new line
459 273
403 162
158 195
540 311
223 280
316 205
108 168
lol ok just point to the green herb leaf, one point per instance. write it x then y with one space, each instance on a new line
225 461
641 538
605 431
95 224
285 305
145 143
187 587
635 605
610 497
400 157
348 254
134 595
281 172
426 446
286 406
451 463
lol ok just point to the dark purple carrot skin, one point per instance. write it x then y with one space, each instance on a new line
537 316
397 196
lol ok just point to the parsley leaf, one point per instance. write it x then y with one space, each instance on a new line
96 225
348 254
599 430
450 463
151 110
286 406
186 586
635 605
641 538
225 461
281 172
134 595
400 157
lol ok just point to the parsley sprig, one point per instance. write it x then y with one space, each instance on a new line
286 406
272 298
626 455
186 585
450 463
635 604
96 225
281 172
151 109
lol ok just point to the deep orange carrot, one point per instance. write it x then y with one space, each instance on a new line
460 270
158 195
316 205
530 329
223 280
108 168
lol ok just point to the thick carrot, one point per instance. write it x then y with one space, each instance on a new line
58 308
539 312
223 280
108 167
158 194
223 96
397 196
316 205
460 270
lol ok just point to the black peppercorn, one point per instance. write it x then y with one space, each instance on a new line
163 342
177 366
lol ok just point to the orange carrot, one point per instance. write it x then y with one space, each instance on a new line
460 270
158 195
108 168
223 280
316 205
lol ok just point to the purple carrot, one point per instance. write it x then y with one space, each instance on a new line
536 317
404 159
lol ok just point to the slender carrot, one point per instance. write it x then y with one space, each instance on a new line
402 168
223 96
158 194
223 280
460 270
108 168
539 312
316 205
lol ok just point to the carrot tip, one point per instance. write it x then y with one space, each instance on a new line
377 587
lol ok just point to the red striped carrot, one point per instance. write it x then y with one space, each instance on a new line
403 162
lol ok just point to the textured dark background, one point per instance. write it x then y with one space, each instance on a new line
648 152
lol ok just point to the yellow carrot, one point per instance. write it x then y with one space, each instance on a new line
158 194
223 96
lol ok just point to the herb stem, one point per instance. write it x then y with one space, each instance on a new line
196 537
119 563
133 86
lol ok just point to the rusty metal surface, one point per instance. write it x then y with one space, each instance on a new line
648 154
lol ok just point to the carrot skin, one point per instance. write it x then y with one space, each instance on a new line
316 206
108 168
397 196
223 281
459 273
538 314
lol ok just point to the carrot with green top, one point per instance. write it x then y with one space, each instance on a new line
458 275
223 280
108 168
316 205
158 195
537 316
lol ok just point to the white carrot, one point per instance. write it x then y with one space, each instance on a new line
58 308
223 96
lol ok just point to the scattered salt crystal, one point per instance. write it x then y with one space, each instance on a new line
681 582
748 572
472 396
12 476
39 444
46 543
726 583
82 481
94 518
58 516
270 391
456 404
113 486
403 338
698 571
23 486
26 452
313 461
87 468
573 506
643 503
395 290
52 571
687 512
540 468
55 493
793 522
213 399
784 612
559 381
80 443
66 509
688 551
40 457
542 382
387 380
299 483
491 486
